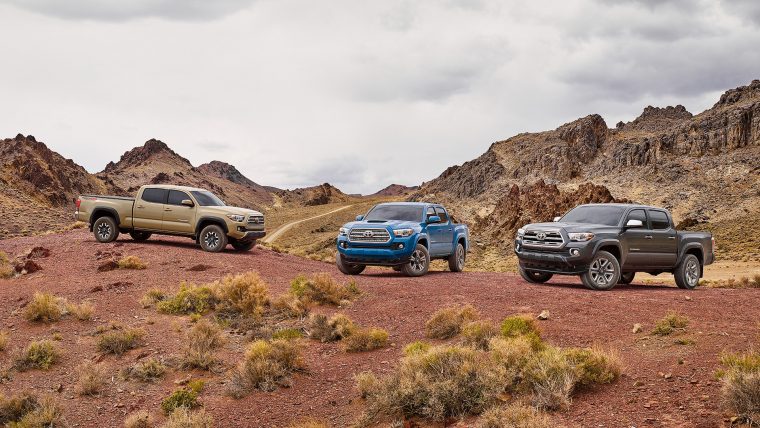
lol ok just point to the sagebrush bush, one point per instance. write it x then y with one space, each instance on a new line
266 365
131 262
3 340
45 307
83 311
27 411
186 397
520 325
514 416
672 322
91 378
740 390
416 347
329 330
120 341
290 306
245 294
200 343
551 378
594 365
510 356
6 270
145 371
151 297
190 298
40 354
448 322
139 419
365 339
287 334
478 334
322 289
13 408
185 418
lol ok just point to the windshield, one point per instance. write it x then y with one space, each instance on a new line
596 214
207 199
395 212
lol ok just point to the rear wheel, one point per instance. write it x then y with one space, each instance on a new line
534 277
140 236
105 229
348 268
419 262
456 260
603 273
687 272
213 239
626 277
243 246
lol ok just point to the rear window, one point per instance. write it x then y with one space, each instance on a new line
595 214
156 196
659 219
395 212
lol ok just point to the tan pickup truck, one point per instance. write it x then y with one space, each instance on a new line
172 210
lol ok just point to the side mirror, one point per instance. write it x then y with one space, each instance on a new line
631 224
187 203
359 218
556 219
434 219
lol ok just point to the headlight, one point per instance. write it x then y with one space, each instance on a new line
236 217
403 232
343 231
580 237
520 233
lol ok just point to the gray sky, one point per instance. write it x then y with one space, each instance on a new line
356 93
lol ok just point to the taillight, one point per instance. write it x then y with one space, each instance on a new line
78 202
713 243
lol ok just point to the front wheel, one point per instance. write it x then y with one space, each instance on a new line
534 277
105 230
348 268
213 239
419 262
626 278
243 246
687 272
139 236
603 273
456 260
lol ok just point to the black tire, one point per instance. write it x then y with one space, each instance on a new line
535 277
140 236
243 246
105 230
626 277
213 239
348 268
603 273
688 272
456 260
419 262
397 268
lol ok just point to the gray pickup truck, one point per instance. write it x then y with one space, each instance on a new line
607 244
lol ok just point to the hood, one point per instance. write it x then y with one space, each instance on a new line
233 210
568 227
392 224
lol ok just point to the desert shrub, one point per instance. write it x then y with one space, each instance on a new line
672 322
510 356
39 354
6 270
444 382
328 330
120 341
91 377
139 419
186 397
522 325
3 340
151 297
322 289
265 366
514 416
27 411
45 307
287 334
740 390
145 371
416 347
478 333
201 342
131 262
15 407
290 305
448 322
245 294
184 418
365 339
550 378
83 311
594 365
190 298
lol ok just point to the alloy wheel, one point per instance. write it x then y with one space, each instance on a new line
602 271
692 272
460 257
418 261
211 239
104 230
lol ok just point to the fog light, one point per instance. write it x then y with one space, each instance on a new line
400 246
343 245
574 252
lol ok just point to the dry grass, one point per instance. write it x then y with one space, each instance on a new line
120 340
145 371
201 342
3 340
184 418
416 347
514 416
139 419
27 411
478 334
39 354
186 397
91 378
190 298
131 262
740 392
151 297
266 365
6 269
45 307
671 323
287 334
329 330
83 311
245 294
365 339
741 282
322 289
594 365
290 305
448 322
551 379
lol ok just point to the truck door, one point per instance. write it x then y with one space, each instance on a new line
635 242
447 231
148 211
434 232
177 217
664 244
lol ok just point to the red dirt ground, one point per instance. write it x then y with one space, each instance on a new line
721 319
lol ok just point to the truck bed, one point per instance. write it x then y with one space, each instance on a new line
121 198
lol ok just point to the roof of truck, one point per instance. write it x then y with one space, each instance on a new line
173 187
623 206
413 204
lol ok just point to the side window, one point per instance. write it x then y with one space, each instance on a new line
440 212
156 196
176 197
638 215
430 212
659 219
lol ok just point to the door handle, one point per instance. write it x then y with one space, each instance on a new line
139 206
648 237
167 209
671 237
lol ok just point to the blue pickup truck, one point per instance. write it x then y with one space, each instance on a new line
402 235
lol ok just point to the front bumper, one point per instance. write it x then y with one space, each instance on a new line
571 259
252 235
393 253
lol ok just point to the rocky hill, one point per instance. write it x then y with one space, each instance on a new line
396 190
704 167
316 195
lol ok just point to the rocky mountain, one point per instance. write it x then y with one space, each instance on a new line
316 195
155 163
705 167
396 190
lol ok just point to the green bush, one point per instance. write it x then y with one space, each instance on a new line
186 397
416 347
287 334
478 333
365 339
265 366
39 354
120 341
189 299
672 322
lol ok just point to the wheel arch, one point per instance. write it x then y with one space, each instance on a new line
208 220
611 247
104 212
423 240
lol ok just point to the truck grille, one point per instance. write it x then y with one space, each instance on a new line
369 235
256 219
543 238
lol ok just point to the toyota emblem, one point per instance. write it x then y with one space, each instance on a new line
368 234
540 236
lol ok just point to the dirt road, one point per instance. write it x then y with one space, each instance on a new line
285 227
664 384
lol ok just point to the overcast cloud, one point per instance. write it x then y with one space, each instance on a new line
357 93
